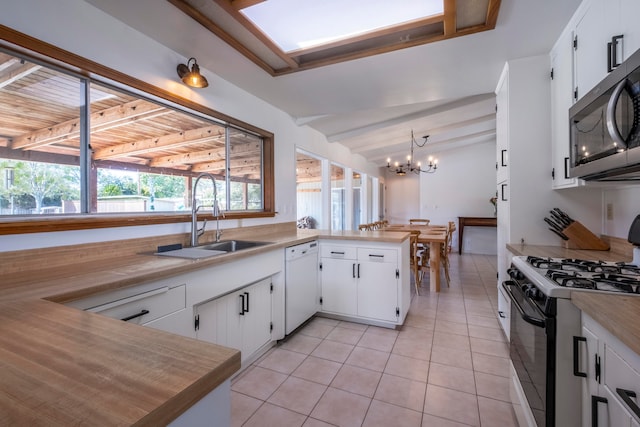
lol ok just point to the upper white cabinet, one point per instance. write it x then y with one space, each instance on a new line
502 132
606 33
561 100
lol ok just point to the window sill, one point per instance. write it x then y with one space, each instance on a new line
49 223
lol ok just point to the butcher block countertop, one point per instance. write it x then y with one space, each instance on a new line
61 366
619 314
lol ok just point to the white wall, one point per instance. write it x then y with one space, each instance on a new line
402 197
78 27
462 186
625 204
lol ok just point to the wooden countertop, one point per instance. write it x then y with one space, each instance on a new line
62 366
619 314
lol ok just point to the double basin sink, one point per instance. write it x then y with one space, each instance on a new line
212 249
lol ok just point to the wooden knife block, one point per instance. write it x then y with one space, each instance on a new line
581 238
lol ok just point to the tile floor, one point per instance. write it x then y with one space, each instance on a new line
447 366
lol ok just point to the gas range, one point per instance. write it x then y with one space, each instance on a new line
558 277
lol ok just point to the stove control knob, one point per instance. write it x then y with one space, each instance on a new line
515 273
533 293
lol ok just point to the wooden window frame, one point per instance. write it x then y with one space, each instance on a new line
19 43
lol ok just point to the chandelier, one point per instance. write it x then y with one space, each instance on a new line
410 166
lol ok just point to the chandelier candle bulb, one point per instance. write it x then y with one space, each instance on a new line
414 167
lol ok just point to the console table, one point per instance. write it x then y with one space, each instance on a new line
474 221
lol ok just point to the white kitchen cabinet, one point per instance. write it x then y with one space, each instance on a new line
366 281
504 311
595 23
241 319
502 130
561 57
523 97
607 367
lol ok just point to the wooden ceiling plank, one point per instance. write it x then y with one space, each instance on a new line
223 35
450 26
249 26
7 61
189 158
165 142
11 76
99 120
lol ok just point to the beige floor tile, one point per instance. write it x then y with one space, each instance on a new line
496 413
242 407
457 342
447 327
325 320
433 421
318 370
452 404
259 383
317 329
332 350
487 322
457 316
420 321
451 357
283 361
491 364
401 392
377 341
407 367
383 332
301 343
274 416
298 395
357 380
486 333
452 377
353 325
383 414
341 408
490 347
416 333
416 349
312 422
345 335
492 386
368 358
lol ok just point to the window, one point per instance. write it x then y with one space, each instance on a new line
337 197
309 191
356 185
141 154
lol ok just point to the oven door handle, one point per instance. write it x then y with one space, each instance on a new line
541 323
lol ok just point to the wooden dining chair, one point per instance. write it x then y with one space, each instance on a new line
363 227
414 260
445 250
418 221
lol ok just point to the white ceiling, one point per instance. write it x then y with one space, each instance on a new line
443 89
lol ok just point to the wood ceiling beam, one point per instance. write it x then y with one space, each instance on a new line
243 4
264 39
7 61
180 139
222 34
109 118
11 76
236 165
492 13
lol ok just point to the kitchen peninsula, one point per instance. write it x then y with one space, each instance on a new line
65 366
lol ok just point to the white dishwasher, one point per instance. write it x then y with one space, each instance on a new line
301 284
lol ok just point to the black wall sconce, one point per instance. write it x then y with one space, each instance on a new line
192 77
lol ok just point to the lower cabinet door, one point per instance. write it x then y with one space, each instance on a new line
338 281
257 320
378 291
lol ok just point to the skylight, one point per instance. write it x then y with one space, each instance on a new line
302 24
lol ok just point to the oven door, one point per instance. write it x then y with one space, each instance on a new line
532 352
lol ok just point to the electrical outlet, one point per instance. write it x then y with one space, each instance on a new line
609 211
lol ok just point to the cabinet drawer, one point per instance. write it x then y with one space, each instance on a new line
340 252
145 307
619 374
377 255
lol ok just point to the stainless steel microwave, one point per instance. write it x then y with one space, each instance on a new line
605 127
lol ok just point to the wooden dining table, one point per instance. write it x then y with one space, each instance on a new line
433 235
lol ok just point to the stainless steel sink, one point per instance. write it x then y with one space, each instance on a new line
212 249
232 245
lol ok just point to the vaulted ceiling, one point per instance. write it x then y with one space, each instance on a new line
442 87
